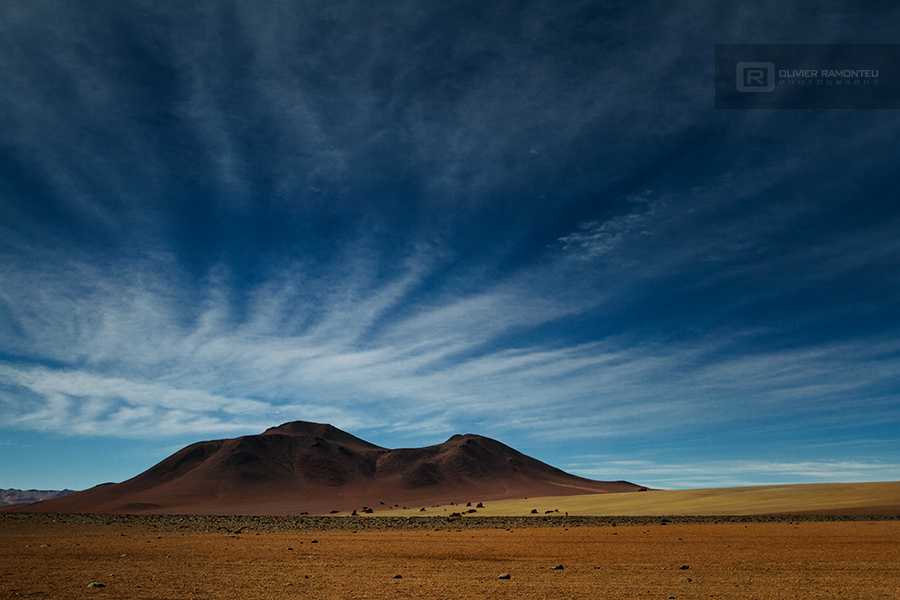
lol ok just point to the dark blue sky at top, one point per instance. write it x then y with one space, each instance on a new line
522 219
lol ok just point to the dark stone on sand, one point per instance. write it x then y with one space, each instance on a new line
504 576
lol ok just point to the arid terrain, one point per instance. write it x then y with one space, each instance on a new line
468 518
158 557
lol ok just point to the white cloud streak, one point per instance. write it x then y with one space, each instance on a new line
134 357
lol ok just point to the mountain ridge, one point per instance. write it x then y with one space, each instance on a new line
301 467
12 496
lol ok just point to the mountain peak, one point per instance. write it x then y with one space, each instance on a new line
301 428
323 431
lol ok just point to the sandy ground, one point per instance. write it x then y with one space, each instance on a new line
878 498
59 557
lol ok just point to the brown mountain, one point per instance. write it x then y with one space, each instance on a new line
304 467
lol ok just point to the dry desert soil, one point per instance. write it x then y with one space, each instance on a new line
155 557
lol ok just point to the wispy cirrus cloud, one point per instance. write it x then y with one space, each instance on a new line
134 354
595 238
522 220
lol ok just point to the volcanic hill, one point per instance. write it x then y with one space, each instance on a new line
303 467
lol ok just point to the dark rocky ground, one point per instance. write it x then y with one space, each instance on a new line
220 524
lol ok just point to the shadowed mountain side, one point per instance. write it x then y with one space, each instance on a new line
473 462
308 467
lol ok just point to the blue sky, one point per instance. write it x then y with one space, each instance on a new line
412 220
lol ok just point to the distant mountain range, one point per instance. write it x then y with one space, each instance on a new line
313 468
8 497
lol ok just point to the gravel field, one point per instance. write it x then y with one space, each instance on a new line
205 523
52 556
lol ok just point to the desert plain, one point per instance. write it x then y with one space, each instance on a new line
764 553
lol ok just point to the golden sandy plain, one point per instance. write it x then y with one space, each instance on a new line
57 556
877 498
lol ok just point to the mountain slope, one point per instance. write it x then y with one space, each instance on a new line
308 467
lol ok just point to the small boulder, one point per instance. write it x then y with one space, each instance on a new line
504 576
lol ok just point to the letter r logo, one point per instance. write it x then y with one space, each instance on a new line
755 77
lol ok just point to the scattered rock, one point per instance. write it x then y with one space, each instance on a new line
687 579
504 576
398 576
96 584
683 567
557 568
